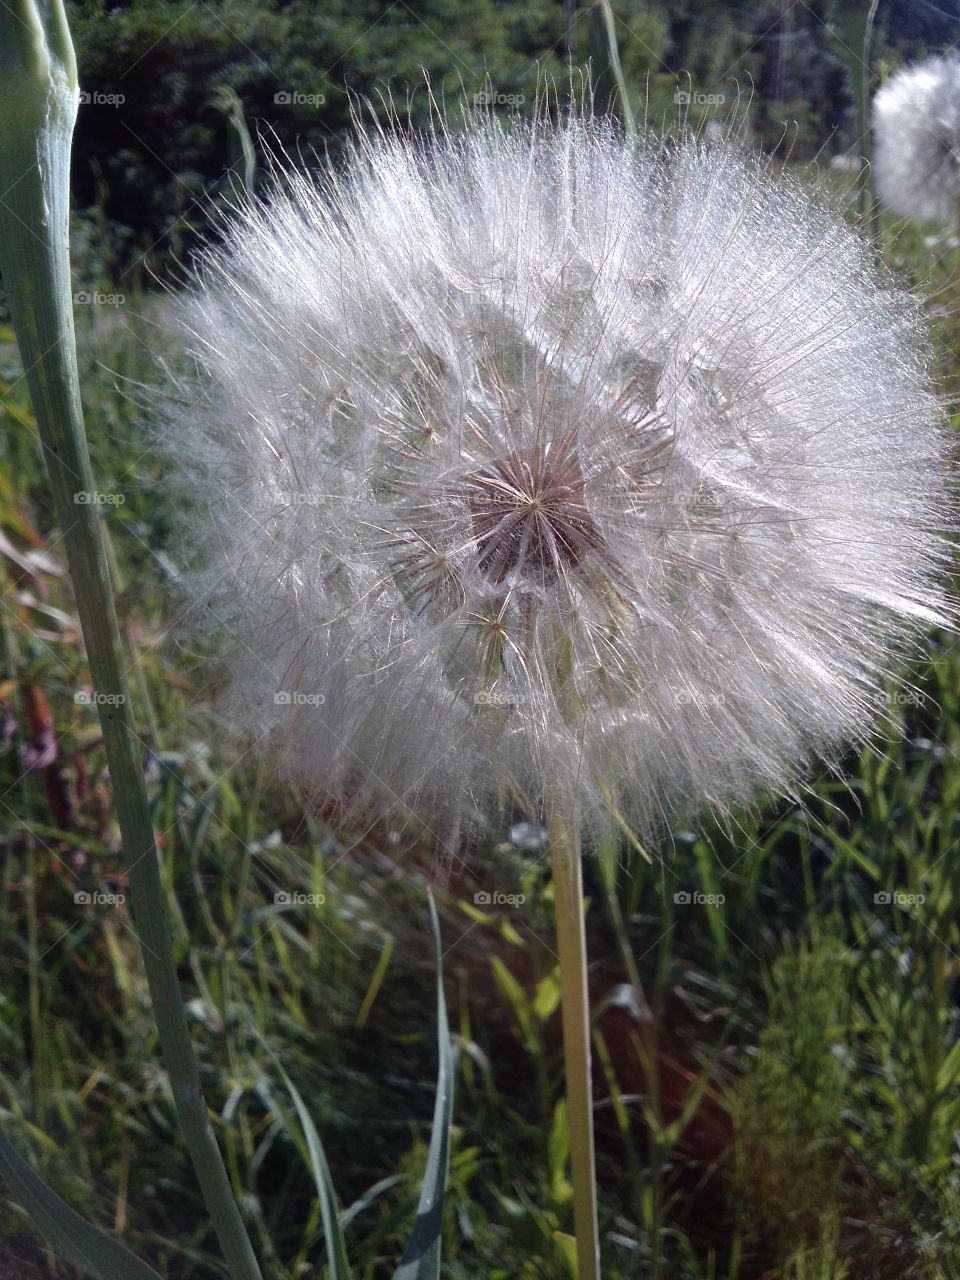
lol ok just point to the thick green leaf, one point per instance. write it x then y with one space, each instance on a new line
71 1237
421 1258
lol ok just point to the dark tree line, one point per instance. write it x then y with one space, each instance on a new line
155 141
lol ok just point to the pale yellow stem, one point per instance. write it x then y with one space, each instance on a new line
575 1008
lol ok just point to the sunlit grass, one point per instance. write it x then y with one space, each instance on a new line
800 995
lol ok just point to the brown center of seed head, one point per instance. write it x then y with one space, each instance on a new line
530 516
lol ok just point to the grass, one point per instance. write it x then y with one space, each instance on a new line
778 1067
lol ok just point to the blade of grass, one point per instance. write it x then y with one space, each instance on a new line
375 982
565 859
37 116
421 1258
610 82
333 1234
869 209
74 1240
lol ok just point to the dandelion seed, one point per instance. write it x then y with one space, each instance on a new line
916 124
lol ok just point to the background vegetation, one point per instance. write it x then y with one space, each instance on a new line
778 1061
154 141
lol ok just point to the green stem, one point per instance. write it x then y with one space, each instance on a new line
38 70
610 84
869 209
622 935
575 1007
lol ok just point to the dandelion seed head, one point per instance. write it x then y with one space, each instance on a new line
916 128
535 455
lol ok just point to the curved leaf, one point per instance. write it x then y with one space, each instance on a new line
421 1258
71 1237
332 1231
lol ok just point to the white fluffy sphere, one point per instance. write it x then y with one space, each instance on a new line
537 455
916 130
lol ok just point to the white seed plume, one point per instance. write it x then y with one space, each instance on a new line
916 130
533 454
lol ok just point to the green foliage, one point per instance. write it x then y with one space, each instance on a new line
777 1061
156 154
801 1061
152 146
788 1108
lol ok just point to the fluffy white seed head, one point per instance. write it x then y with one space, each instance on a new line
537 456
916 130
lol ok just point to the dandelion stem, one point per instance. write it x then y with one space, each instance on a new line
575 1007
37 116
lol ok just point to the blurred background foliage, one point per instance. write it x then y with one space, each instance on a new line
777 1050
153 145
